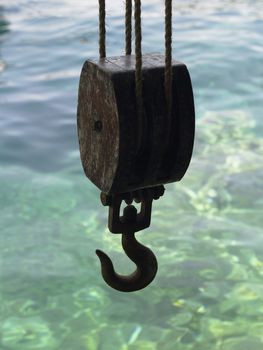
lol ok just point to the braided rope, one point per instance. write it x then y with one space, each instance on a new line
128 27
168 54
138 54
102 39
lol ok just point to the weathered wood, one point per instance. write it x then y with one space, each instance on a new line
108 125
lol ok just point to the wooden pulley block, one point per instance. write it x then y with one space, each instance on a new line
123 150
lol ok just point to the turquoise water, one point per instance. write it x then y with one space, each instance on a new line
206 231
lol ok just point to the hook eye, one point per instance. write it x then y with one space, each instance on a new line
144 259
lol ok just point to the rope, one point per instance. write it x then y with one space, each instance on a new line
128 27
138 65
138 49
102 40
168 54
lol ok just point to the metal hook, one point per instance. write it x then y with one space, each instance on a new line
142 256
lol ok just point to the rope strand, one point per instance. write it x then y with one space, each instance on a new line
168 54
138 53
128 27
102 40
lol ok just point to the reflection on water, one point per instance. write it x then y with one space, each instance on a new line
3 23
3 30
206 231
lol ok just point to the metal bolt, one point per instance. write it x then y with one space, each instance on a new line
98 126
128 198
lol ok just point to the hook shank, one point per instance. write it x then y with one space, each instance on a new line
144 260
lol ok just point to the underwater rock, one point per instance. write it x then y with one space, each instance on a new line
178 338
256 330
91 297
243 343
218 130
141 345
243 292
226 149
180 319
27 334
211 290
25 307
216 328
239 272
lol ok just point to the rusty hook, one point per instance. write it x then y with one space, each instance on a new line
143 258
